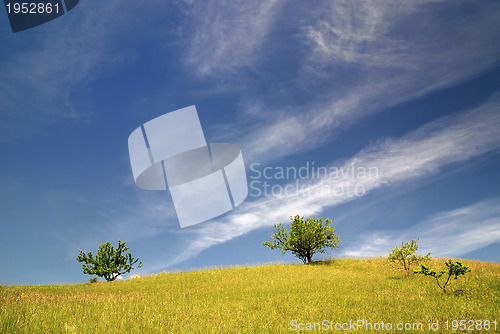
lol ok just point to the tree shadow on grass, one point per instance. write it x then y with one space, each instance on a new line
402 276
328 262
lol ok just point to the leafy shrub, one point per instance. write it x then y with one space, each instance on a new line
406 255
454 269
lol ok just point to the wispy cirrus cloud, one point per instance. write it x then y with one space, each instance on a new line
45 67
38 80
227 34
405 35
422 152
393 54
448 234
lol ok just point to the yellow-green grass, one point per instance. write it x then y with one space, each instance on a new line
261 299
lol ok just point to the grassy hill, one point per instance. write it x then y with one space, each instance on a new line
262 299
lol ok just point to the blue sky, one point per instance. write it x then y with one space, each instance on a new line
409 89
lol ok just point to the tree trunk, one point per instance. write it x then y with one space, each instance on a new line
309 258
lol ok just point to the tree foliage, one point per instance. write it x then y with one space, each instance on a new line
406 255
454 269
306 237
109 262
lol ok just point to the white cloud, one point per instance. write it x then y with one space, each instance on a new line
406 35
46 66
420 153
447 234
228 34
344 27
293 131
369 55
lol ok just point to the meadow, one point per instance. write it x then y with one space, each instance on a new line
277 298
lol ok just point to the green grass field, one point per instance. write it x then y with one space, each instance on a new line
262 299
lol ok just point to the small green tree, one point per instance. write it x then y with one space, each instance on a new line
109 262
406 255
306 237
454 269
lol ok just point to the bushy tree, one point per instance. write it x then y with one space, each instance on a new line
306 237
109 262
406 255
454 269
